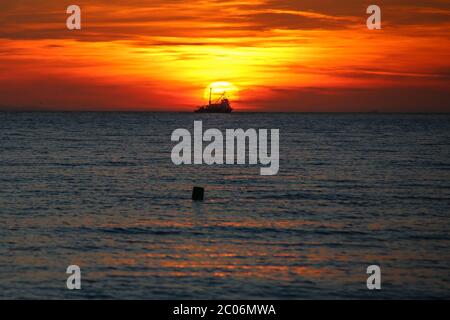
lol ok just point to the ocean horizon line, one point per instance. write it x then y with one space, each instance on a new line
235 112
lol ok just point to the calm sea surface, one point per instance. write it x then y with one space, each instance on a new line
99 190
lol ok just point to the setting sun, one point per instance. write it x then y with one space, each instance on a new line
221 87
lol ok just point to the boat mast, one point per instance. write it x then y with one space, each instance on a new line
210 90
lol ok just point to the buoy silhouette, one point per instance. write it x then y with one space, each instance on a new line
198 193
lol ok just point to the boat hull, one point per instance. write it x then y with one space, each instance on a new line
212 111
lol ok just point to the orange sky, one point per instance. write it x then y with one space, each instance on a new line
283 55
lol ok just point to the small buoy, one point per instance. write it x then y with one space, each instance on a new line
198 193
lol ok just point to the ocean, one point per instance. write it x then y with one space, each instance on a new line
99 190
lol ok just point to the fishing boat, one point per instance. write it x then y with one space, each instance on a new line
222 105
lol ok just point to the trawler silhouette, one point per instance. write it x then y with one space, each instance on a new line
222 105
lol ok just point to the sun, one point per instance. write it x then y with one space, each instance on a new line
220 87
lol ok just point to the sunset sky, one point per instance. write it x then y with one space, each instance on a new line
281 55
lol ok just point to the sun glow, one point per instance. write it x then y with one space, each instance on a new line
221 87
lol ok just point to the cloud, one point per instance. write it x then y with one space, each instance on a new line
120 20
